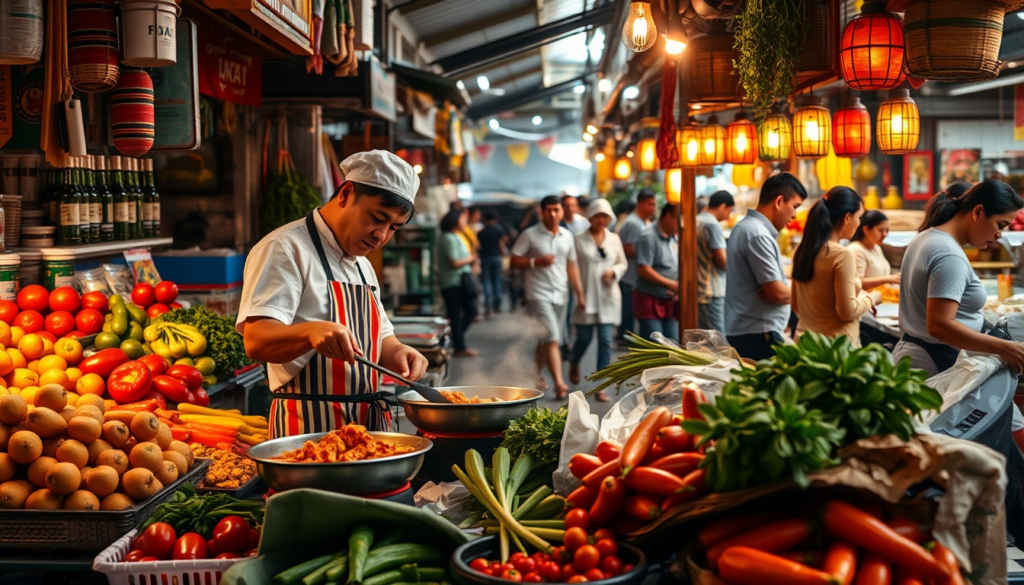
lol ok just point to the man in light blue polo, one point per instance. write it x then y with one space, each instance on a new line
757 294
634 225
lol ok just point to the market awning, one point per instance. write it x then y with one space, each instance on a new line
441 88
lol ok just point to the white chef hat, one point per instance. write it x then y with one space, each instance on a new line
382 169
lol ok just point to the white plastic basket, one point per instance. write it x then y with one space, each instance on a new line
108 562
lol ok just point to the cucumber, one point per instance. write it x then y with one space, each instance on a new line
408 573
359 543
396 555
393 537
294 574
318 576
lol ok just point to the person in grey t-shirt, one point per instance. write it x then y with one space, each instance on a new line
634 225
711 261
941 298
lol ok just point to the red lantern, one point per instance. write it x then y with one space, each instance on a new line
92 45
872 53
741 141
132 113
851 129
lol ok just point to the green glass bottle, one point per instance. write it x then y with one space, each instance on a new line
134 198
51 200
93 205
70 208
106 200
150 202
122 229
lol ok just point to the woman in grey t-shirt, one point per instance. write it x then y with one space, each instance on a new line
941 298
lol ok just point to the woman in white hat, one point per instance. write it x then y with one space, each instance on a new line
602 263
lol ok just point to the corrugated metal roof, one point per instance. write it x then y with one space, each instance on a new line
475 38
460 14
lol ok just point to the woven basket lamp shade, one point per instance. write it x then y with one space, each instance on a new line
689 144
899 123
741 141
131 113
92 45
712 143
954 40
851 129
647 155
673 185
623 169
775 137
812 128
708 70
872 52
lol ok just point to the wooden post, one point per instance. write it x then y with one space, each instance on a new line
688 251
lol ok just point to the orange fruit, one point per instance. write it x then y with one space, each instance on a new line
74 375
72 398
33 365
55 377
52 362
5 333
17 357
16 334
6 363
91 384
69 349
29 394
32 346
23 378
47 347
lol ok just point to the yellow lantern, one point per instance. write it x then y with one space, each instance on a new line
812 128
899 123
775 137
689 144
740 141
623 169
648 155
712 143
673 185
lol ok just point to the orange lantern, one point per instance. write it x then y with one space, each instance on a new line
689 144
812 128
712 143
899 123
647 160
623 169
673 185
741 141
775 137
872 52
851 129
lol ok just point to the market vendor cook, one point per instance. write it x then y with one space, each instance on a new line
310 302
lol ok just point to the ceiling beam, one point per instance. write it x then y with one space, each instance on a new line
539 70
505 62
414 5
460 31
471 59
521 98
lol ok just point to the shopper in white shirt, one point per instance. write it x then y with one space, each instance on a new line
873 268
572 219
547 254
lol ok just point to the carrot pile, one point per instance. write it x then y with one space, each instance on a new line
229 430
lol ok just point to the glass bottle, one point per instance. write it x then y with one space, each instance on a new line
135 204
51 199
151 201
122 230
93 205
70 208
106 200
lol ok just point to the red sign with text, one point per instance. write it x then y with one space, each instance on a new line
228 67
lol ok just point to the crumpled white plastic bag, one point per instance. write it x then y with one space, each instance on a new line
580 436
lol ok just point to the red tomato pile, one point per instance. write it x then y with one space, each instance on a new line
583 558
626 488
232 538
156 300
850 545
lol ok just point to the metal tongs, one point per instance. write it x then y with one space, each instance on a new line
429 392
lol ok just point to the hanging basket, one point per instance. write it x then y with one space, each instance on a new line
953 40
131 113
708 69
148 28
21 31
92 45
822 45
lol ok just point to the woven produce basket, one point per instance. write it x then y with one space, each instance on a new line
708 70
92 45
822 46
952 40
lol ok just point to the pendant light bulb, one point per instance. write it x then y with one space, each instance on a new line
674 47
639 33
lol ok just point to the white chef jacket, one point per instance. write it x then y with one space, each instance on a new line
285 281
549 284
604 301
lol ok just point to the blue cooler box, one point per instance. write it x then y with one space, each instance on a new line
201 270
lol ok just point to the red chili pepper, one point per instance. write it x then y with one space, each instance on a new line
208 439
581 497
606 451
593 479
745 566
692 396
909 529
694 487
673 439
642 439
679 464
811 558
871 534
772 538
947 559
658 482
609 500
719 530
174 389
841 561
643 507
144 406
904 578
581 464
653 455
874 570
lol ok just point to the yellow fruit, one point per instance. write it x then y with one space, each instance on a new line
54 377
5 333
29 394
6 363
90 384
32 346
47 347
23 378
109 404
68 349
4 391
33 365
16 334
52 362
17 357
74 375
73 399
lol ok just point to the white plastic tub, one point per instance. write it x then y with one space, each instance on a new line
108 562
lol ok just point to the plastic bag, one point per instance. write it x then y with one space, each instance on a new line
119 279
92 280
580 436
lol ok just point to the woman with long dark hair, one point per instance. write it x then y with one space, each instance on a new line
455 276
941 297
873 269
827 295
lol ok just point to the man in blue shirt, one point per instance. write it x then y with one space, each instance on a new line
656 296
711 261
757 294
632 226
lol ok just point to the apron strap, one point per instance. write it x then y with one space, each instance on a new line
314 235
376 416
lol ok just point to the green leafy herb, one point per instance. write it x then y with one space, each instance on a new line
770 34
537 433
224 344
187 511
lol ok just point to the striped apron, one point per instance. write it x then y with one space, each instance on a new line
327 393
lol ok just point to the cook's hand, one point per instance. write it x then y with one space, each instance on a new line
1013 354
334 341
546 260
894 279
411 363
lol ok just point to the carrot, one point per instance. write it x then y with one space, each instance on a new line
122 416
171 414
208 439
679 464
224 445
581 497
811 558
179 434
693 488
674 439
841 561
643 507
606 451
947 559
776 537
871 534
692 396
143 406
609 500
719 530
226 431
909 529
874 570
658 482
643 437
745 566
593 479
581 464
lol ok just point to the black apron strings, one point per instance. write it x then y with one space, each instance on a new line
943 355
314 235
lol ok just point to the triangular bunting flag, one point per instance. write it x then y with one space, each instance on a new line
545 145
519 153
484 152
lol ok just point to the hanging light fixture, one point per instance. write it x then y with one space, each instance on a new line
851 129
647 159
689 144
899 123
623 169
712 143
775 136
872 52
639 33
812 128
673 185
741 141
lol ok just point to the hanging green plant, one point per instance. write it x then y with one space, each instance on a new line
770 34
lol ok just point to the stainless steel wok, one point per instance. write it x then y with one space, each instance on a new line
485 417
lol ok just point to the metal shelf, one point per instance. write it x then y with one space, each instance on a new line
104 249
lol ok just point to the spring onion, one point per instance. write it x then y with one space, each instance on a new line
644 355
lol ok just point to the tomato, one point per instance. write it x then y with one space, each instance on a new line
231 534
137 543
191 545
156 364
525 565
30 321
479 564
134 556
612 565
148 559
512 575
496 567
607 547
191 376
76 334
60 323
201 398
516 556
64 298
103 362
577 517
158 540
211 547
254 537
586 557
96 301
540 558
47 335
175 391
250 553
568 572
129 383
532 578
574 538
89 320
143 294
166 292
594 575
551 571
627 568
603 533
577 579
560 555
228 555
33 298
504 567
488 572
156 310
176 306
8 311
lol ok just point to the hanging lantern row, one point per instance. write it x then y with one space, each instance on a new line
741 141
812 128
623 169
712 143
899 123
775 136
688 143
647 156
851 129
873 53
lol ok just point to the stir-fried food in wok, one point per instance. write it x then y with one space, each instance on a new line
349 443
459 397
